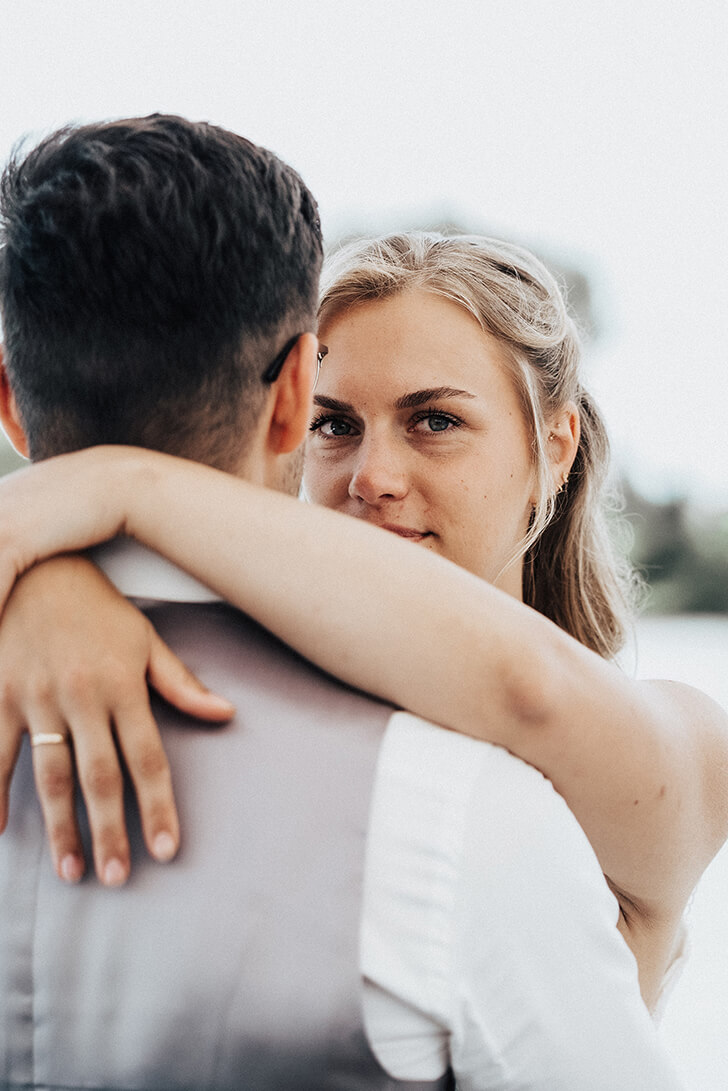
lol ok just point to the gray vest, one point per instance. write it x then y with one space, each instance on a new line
237 966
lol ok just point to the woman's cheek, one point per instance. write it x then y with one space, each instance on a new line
323 484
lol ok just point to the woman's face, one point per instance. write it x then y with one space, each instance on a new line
417 428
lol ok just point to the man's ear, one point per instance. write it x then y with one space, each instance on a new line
9 416
291 410
564 432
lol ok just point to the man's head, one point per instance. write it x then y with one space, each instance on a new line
150 270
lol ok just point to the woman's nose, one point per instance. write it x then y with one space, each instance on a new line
378 475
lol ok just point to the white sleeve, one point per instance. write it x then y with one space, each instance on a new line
489 934
546 993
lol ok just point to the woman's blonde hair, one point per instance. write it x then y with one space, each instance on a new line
571 571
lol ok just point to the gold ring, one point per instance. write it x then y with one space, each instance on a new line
42 739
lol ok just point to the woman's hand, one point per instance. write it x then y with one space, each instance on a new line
75 660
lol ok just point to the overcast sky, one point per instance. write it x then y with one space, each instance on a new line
597 132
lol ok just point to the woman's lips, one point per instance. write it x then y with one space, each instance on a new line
406 532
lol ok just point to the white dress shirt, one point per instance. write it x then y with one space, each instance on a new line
488 935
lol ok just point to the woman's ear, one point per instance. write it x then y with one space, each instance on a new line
562 443
9 416
293 389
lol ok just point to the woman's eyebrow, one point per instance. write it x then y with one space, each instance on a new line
407 401
332 403
421 397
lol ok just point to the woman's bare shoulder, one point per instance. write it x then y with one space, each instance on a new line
699 725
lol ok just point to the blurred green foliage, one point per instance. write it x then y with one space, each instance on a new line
681 551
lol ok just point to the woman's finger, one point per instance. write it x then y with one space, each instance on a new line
140 743
174 681
11 733
55 779
100 776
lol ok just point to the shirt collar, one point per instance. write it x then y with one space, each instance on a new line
146 576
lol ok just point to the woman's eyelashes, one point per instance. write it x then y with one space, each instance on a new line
332 427
429 422
436 421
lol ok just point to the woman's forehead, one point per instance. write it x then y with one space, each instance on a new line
410 342
408 304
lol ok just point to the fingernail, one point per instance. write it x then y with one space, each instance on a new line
71 868
114 873
164 847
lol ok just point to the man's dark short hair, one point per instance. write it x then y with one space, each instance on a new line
149 270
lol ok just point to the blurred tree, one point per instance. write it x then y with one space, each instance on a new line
682 553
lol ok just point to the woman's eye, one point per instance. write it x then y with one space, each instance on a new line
331 427
436 422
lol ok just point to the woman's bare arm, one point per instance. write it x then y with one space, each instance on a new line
643 766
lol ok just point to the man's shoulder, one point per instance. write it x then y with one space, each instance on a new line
488 810
418 750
